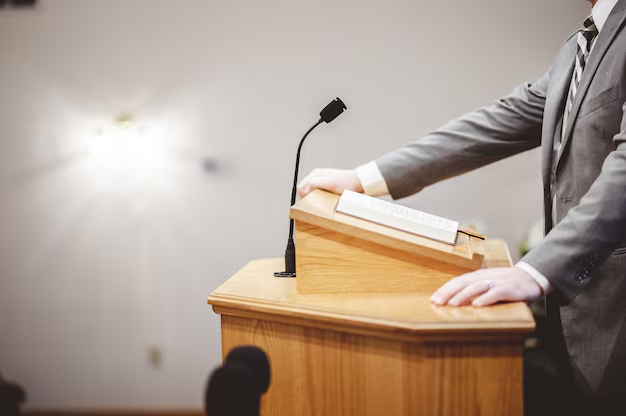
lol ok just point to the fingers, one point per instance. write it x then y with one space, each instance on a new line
517 286
469 292
527 291
331 180
304 186
303 189
313 182
495 295
462 290
466 287
448 290
488 287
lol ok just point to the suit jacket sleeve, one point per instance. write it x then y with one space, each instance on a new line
590 232
509 126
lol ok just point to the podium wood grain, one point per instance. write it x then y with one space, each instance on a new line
332 262
338 253
376 353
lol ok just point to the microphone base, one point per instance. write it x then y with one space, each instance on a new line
290 260
284 274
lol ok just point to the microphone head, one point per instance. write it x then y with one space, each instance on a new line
254 359
232 391
332 110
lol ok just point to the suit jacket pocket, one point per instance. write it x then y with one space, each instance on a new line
606 97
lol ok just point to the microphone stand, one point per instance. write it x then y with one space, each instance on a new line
328 114
290 252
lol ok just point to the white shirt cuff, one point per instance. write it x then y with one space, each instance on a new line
535 274
372 180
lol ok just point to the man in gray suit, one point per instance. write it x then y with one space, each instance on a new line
575 113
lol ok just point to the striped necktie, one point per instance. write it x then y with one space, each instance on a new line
586 38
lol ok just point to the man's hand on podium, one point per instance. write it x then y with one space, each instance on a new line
331 180
489 286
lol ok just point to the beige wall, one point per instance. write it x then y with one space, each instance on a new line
99 262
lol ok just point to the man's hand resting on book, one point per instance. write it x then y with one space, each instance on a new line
489 286
331 180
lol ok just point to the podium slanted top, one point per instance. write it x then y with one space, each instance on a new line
318 209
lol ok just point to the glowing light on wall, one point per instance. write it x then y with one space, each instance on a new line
123 144
127 152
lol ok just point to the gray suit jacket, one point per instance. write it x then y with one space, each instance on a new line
584 253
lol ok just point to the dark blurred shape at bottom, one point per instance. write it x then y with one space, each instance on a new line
235 389
11 398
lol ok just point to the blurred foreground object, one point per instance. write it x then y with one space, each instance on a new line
18 3
235 389
11 398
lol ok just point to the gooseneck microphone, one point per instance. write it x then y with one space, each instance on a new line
328 114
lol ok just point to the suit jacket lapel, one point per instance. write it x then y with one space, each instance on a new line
555 103
615 20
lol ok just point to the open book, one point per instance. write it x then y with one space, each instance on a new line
397 216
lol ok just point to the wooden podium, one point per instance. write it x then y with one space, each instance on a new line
371 354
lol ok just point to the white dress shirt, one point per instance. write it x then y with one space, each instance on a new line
374 183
